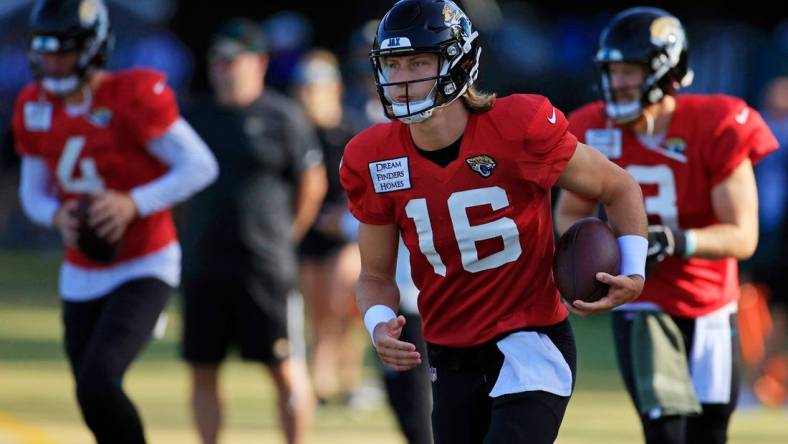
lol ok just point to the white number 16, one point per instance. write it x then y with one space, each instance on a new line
466 234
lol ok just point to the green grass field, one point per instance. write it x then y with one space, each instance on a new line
37 405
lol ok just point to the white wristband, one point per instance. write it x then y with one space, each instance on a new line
375 315
634 250
690 243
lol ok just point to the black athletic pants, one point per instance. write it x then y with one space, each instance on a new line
409 392
464 413
102 338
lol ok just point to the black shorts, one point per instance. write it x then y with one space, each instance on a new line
317 246
465 412
250 313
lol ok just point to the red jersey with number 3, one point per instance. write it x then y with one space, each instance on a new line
708 138
103 148
479 231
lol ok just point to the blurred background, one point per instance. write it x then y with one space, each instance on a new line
545 47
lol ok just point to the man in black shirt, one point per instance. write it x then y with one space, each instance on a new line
240 234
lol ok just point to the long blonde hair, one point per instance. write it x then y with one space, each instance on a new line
477 101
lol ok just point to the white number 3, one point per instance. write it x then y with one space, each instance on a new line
664 203
466 234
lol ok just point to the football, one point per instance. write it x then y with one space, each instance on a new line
89 243
587 248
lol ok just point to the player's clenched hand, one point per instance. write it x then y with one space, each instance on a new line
622 289
663 242
395 354
111 213
66 222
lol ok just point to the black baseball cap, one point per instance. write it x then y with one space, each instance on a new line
236 36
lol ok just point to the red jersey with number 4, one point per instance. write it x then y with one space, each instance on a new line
103 148
479 231
709 136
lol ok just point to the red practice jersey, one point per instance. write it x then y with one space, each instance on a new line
479 231
103 148
709 136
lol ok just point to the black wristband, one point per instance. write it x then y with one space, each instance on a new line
680 243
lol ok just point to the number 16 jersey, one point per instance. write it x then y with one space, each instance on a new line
479 231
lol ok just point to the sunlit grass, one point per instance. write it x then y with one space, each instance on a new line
36 387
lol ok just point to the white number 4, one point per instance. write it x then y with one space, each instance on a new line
89 180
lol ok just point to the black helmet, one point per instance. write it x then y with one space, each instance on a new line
58 26
427 26
651 37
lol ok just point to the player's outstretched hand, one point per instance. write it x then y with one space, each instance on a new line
395 354
622 289
111 213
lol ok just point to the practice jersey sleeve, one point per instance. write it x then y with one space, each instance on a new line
549 144
153 107
742 134
364 203
192 167
36 191
578 125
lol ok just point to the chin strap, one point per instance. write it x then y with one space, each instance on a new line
649 123
623 113
61 86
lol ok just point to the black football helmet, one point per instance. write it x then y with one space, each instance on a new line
426 26
58 26
651 37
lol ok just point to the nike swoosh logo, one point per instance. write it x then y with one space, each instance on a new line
742 116
551 119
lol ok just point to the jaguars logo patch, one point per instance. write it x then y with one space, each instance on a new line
483 164
100 117
676 145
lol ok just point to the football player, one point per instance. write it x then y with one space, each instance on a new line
692 155
466 178
117 137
